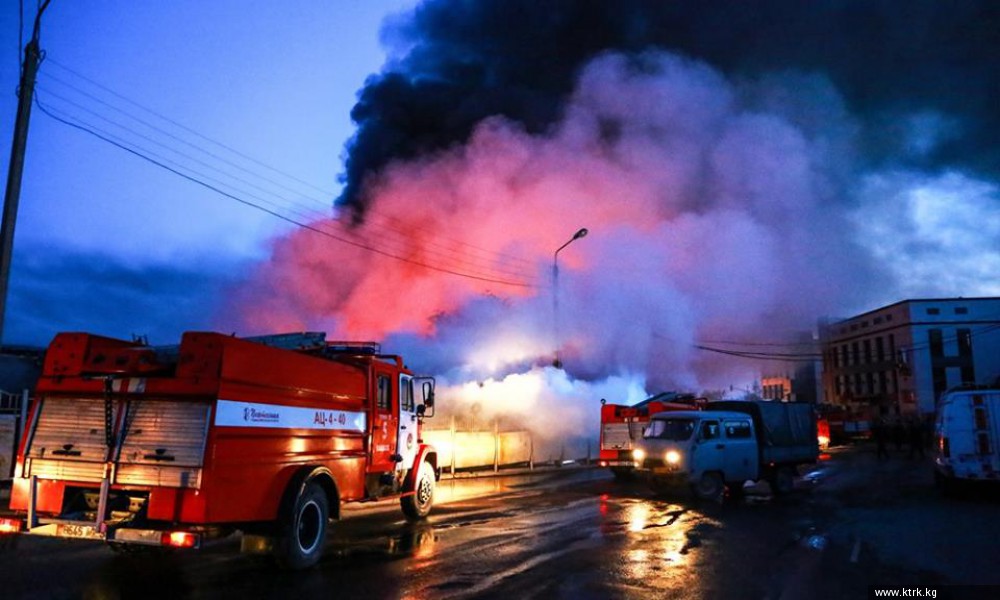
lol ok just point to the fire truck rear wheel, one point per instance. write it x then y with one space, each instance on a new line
303 529
418 505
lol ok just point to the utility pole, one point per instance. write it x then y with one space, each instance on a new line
26 92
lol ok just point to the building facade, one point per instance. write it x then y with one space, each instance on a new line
899 359
776 387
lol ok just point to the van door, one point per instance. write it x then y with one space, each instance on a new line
741 450
709 456
406 442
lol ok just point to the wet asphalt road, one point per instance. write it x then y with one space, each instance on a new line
578 534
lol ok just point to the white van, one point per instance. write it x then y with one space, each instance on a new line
967 437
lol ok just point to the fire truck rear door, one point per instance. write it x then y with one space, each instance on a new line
406 442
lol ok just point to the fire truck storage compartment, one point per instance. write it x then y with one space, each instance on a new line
617 436
164 445
68 442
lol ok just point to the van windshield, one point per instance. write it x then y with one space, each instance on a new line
676 430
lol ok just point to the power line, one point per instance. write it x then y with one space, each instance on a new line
310 227
187 129
372 218
489 270
761 355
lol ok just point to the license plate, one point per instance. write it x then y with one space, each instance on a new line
662 470
70 530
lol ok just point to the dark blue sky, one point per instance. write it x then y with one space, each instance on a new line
107 242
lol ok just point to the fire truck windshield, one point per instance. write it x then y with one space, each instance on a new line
676 430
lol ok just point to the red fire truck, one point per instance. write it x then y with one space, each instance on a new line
621 425
136 445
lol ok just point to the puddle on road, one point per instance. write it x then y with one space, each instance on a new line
658 535
413 541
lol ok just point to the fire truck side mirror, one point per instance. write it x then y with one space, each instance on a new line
428 393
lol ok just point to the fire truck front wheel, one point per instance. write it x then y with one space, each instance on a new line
417 505
303 529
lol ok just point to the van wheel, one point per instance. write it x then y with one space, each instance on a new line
303 529
783 481
418 505
709 486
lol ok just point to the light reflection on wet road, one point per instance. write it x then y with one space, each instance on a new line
577 535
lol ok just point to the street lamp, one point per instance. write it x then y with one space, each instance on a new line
582 232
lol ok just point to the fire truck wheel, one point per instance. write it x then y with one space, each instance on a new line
303 529
709 487
418 505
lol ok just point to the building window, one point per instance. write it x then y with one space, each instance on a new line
854 327
961 310
933 311
855 354
877 320
964 342
940 379
843 356
892 344
879 349
937 342
868 352
888 318
965 354
864 324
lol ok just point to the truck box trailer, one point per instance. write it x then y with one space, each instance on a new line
727 444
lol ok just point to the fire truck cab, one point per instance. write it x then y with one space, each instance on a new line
135 445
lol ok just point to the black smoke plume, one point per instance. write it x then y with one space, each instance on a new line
920 65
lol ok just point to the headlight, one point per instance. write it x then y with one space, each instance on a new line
639 454
672 457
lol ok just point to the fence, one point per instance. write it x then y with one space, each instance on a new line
472 450
13 410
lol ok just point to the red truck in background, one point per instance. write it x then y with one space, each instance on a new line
135 445
622 425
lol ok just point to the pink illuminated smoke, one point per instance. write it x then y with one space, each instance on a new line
716 209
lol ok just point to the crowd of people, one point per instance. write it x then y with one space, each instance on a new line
912 432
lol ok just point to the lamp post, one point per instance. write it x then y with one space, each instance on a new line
582 232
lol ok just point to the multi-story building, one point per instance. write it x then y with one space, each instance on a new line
900 358
776 387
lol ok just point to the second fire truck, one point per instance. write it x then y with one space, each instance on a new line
622 425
